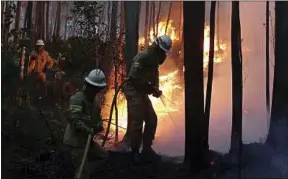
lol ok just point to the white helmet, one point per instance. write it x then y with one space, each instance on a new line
96 78
164 42
40 42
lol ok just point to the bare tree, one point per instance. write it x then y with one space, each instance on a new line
146 30
193 28
17 23
237 82
47 20
158 16
168 18
279 108
210 71
267 61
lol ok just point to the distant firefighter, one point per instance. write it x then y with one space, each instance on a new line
40 59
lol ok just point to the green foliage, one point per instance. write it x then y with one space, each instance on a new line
86 16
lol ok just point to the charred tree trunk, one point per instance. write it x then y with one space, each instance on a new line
132 9
236 55
277 138
267 63
193 28
66 20
47 20
113 27
28 26
210 71
17 24
158 16
114 49
58 21
153 18
146 30
168 18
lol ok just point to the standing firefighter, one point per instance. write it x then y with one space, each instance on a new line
144 80
40 59
85 119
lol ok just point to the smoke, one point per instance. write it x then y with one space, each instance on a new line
255 123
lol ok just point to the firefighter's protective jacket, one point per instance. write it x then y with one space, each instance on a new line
83 115
144 71
38 61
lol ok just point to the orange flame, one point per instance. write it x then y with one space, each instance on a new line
168 82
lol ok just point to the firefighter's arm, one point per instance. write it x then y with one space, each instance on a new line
31 65
157 92
49 62
76 116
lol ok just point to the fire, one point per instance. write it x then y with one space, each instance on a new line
172 90
219 48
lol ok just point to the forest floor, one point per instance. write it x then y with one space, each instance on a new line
27 151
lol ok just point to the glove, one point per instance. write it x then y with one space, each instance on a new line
157 93
91 131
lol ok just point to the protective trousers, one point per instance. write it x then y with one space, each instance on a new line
96 157
140 110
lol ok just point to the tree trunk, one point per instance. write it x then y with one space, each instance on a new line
236 56
278 138
47 20
158 16
210 71
109 21
28 26
168 18
132 9
17 24
193 28
113 27
58 20
66 20
153 18
146 30
267 63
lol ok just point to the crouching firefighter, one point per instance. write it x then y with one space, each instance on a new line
143 80
85 120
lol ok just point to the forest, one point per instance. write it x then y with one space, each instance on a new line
224 108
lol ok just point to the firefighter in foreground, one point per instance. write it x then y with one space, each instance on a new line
84 119
39 61
143 81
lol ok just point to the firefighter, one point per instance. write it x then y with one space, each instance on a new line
84 119
39 61
144 80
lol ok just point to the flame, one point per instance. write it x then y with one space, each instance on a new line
168 83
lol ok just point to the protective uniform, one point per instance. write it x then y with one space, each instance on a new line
143 70
144 80
85 117
38 61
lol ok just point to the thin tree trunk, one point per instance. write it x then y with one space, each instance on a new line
17 24
236 55
132 9
277 138
168 18
267 63
66 20
158 16
109 21
47 20
218 25
193 29
153 18
59 20
146 30
210 71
